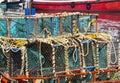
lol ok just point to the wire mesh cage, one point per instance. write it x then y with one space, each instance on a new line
54 48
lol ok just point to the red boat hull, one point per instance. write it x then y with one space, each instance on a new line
107 10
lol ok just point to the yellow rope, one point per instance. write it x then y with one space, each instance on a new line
91 23
94 56
100 36
66 59
75 28
47 31
19 43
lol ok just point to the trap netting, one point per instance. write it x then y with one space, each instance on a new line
41 58
52 45
45 25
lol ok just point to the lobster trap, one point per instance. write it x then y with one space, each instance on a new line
54 47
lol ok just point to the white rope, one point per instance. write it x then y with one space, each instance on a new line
82 55
75 55
97 56
53 58
22 58
93 53
108 54
112 45
41 68
87 49
26 60
43 15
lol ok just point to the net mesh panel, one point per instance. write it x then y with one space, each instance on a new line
18 28
102 56
35 63
21 28
33 59
40 27
3 27
114 51
47 66
89 54
15 65
102 61
47 52
89 61
66 21
2 61
45 23
59 59
74 58
24 28
83 22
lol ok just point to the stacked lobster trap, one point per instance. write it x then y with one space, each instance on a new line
60 47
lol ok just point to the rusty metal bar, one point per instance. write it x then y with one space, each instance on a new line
96 23
61 26
69 75
58 80
95 76
8 27
35 25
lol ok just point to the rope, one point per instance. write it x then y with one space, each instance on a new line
47 31
75 27
41 68
66 41
112 45
93 51
66 62
26 60
8 61
23 59
82 58
108 54
92 22
66 59
108 58
53 58
97 55
5 50
75 55
82 55
87 49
